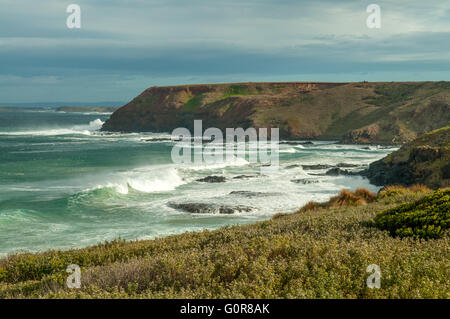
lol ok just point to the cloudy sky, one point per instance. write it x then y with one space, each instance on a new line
125 46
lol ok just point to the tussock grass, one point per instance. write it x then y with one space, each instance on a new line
319 253
399 193
360 196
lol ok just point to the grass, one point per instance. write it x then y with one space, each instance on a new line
316 253
193 103
236 90
392 93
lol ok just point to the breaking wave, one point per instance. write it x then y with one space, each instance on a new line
87 129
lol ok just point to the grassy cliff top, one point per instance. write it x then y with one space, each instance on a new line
315 253
437 139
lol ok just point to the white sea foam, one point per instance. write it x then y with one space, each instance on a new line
288 150
145 179
235 161
93 126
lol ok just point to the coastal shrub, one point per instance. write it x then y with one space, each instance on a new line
426 218
400 194
310 255
360 196
3 273
365 194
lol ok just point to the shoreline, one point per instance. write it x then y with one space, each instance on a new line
337 241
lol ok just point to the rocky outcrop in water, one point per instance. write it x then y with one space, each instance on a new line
212 179
251 194
316 166
339 171
210 208
305 181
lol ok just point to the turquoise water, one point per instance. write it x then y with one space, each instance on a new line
63 184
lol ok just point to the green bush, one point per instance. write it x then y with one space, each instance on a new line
426 218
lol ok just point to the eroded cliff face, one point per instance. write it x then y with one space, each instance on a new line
353 112
426 160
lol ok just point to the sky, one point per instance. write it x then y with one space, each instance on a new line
126 46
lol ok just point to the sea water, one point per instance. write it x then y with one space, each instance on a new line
64 184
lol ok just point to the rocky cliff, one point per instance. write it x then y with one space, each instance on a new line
387 113
426 160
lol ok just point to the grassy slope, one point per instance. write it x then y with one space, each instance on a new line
356 112
321 253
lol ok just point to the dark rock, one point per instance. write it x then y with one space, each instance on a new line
210 208
305 181
422 161
253 194
292 166
424 153
158 139
246 176
296 143
338 171
380 173
212 179
363 135
316 166
343 165
446 171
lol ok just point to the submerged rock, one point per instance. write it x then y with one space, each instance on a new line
316 166
246 176
254 194
339 171
212 179
343 165
305 181
210 208
159 139
296 143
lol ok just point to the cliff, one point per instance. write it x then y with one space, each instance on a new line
388 113
426 160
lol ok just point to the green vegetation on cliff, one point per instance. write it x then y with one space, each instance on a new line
425 160
99 109
353 112
315 253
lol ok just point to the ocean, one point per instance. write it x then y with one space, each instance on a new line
64 184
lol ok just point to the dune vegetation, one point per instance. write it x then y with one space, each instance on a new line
321 251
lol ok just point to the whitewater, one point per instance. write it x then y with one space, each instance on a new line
64 184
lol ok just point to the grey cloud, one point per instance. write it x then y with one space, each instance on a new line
125 46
